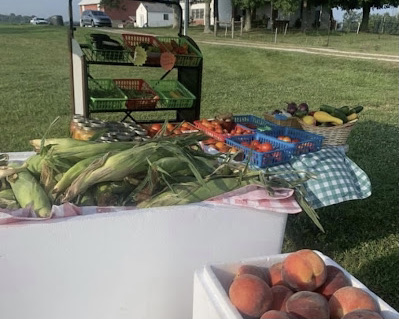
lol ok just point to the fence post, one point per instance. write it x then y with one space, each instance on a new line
285 29
215 24
275 36
358 28
383 24
242 25
225 31
232 28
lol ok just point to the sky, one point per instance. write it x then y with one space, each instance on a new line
47 8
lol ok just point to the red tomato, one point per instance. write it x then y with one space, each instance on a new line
246 144
255 143
294 140
265 147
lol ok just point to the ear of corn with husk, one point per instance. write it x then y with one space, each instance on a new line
29 192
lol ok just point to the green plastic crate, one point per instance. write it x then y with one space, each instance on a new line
101 55
193 58
105 95
172 94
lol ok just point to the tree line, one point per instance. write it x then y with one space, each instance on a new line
14 19
287 6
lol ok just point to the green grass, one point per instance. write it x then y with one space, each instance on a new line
361 235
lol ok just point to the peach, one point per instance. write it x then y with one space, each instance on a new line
335 280
251 295
276 275
254 270
308 305
280 295
304 270
362 314
347 299
275 314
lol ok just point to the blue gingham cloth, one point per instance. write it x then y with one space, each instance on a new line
338 178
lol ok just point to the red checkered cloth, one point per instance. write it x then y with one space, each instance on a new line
253 196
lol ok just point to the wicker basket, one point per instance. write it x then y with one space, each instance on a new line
334 135
291 121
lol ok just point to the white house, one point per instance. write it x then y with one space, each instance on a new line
154 15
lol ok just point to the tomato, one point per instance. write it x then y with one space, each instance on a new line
155 127
170 126
239 130
294 140
265 147
246 144
255 143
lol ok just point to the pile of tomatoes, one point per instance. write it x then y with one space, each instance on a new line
222 127
258 146
171 129
287 139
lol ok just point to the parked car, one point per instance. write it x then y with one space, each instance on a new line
95 18
37 20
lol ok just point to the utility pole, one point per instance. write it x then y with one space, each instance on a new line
186 16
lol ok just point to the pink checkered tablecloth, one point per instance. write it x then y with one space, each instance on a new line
250 196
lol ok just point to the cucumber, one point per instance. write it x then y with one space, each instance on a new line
345 109
357 109
339 114
327 108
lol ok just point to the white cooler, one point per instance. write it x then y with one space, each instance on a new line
136 264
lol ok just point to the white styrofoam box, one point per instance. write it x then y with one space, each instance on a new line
129 264
212 282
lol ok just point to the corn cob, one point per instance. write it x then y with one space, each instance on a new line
64 142
35 163
77 153
8 200
185 193
71 174
115 167
28 192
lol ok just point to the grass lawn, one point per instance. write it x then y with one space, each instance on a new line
360 235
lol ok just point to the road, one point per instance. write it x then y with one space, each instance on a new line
303 50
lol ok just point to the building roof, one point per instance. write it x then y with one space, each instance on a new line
157 7
85 2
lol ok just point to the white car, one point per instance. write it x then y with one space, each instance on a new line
37 20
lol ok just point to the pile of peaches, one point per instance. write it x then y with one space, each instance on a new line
301 286
220 146
225 127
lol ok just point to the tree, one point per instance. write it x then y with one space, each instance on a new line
365 5
249 6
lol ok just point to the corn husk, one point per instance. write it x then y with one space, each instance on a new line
29 192
8 200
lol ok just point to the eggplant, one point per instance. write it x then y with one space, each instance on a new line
303 107
292 108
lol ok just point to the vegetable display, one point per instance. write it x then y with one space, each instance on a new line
159 172
326 116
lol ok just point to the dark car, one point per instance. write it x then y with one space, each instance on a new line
95 18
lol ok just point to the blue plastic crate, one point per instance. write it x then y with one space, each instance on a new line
308 142
260 123
282 152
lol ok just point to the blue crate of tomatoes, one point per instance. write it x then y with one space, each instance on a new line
262 150
304 142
